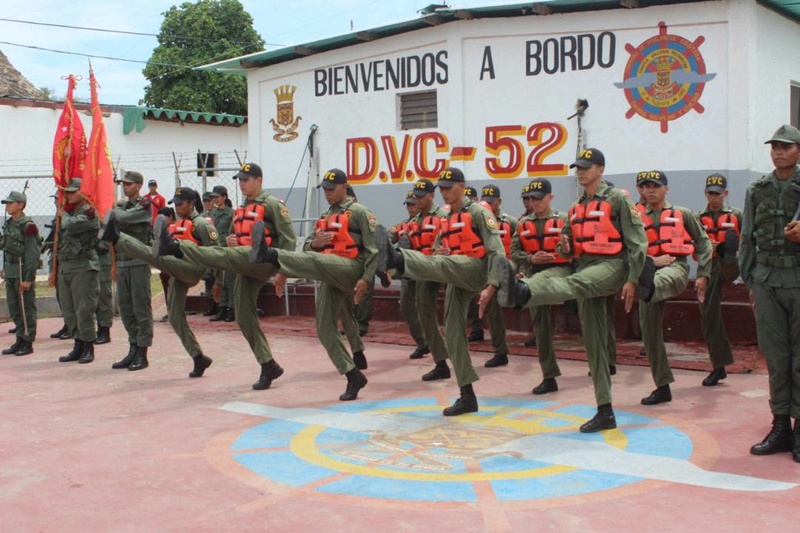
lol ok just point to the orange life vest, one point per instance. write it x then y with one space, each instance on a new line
183 230
716 231
342 243
458 235
244 218
592 230
532 241
671 237
504 229
423 234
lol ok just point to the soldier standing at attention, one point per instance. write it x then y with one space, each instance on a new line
341 254
604 234
722 224
673 234
770 266
78 271
210 278
506 227
132 216
465 250
258 205
533 249
223 221
21 250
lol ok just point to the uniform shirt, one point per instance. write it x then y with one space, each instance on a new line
133 216
77 240
202 230
702 244
223 221
362 229
628 221
519 256
21 243
276 219
750 270
485 226
724 210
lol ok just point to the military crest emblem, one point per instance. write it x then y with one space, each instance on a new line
286 125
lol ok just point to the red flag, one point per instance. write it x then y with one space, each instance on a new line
98 176
69 145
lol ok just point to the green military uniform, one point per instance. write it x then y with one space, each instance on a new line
183 276
596 277
465 278
338 275
541 315
494 313
105 299
223 221
250 278
719 348
133 217
670 281
770 267
21 249
408 294
78 271
363 310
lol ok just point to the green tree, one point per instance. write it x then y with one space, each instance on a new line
197 34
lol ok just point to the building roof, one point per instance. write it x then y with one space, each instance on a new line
134 117
435 15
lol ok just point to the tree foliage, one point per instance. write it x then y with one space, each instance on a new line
195 34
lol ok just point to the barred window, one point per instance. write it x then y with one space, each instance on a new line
418 110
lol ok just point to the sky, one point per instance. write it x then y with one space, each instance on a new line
279 22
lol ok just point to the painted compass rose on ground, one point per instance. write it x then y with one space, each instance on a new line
520 451
665 77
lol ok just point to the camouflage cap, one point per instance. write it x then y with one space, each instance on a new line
15 196
785 134
74 185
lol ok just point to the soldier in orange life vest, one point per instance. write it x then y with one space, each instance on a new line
467 247
340 253
722 224
408 287
533 249
673 234
605 236
474 322
189 226
506 227
424 230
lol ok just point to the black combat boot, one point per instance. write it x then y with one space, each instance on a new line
498 359
57 334
360 360
604 419
139 359
356 381
230 315
466 403
214 309
440 371
475 336
221 315
126 361
201 362
269 371
662 394
163 243
715 377
510 291
103 335
779 439
109 232
546 386
66 335
796 447
647 283
261 252
87 355
26 348
14 347
419 353
74 355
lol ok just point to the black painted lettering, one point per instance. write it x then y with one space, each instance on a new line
428 70
533 61
487 64
337 80
320 82
585 51
377 69
413 75
606 49
366 74
550 59
351 78
441 61
392 74
568 47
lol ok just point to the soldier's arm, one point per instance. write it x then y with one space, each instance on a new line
86 220
205 233
139 214
487 227
286 238
366 224
747 249
702 244
633 235
566 232
31 252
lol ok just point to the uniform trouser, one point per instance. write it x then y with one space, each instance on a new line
497 326
183 276
543 324
338 276
427 294
591 284
363 311
778 326
408 306
227 295
135 307
670 281
79 292
473 320
105 300
250 278
612 331
16 304
350 326
465 278
719 349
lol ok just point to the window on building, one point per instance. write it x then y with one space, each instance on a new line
795 116
418 110
207 162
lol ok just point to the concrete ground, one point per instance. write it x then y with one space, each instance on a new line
87 448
